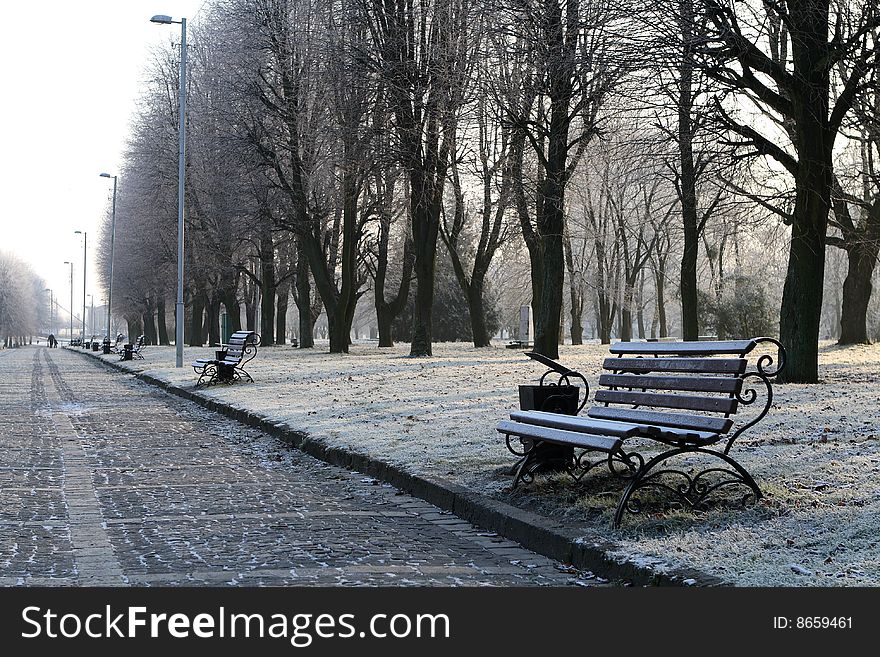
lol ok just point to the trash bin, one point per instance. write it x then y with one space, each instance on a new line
553 399
95 345
105 346
127 352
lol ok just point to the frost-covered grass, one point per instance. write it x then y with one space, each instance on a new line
816 456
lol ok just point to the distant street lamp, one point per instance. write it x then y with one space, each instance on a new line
181 136
71 300
112 241
85 243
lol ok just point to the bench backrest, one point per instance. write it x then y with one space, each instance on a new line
684 385
239 343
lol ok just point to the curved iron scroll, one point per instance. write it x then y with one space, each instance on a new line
532 461
692 489
767 360
747 396
249 351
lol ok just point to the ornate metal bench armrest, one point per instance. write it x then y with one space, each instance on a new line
767 360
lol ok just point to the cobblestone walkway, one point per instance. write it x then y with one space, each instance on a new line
105 480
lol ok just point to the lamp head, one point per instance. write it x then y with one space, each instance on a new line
106 175
77 232
161 19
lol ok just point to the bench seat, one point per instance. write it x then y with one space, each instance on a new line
560 436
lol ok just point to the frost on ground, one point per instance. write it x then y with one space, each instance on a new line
816 456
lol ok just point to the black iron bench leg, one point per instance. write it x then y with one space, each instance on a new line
525 466
208 372
693 489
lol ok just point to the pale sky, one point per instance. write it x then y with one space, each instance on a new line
71 74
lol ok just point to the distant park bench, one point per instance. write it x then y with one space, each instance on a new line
228 364
133 351
112 347
716 384
517 344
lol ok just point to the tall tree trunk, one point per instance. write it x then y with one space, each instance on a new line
197 321
229 297
425 227
303 299
861 240
283 294
149 325
576 295
626 323
213 320
267 285
857 293
688 184
250 307
160 317
385 320
640 305
135 327
801 311
660 284
477 311
388 309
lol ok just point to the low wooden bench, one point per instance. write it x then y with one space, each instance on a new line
112 347
133 351
228 364
684 395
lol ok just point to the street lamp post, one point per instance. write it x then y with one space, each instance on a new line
70 337
179 318
85 244
112 241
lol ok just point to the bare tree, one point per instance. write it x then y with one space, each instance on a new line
419 56
557 71
490 166
780 58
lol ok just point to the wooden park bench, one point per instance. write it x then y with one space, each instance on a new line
112 347
685 396
228 364
133 351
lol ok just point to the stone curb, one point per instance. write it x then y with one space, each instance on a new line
532 530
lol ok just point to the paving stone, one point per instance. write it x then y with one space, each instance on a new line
105 480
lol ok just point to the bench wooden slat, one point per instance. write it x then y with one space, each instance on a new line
559 436
706 348
691 365
685 402
689 383
575 423
675 420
